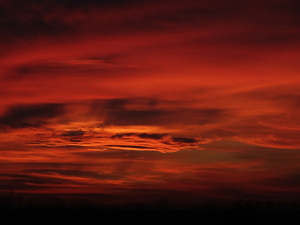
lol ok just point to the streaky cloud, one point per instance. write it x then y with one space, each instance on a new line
30 115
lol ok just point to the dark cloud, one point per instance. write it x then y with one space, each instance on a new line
152 136
129 146
27 20
155 136
30 115
122 104
141 135
164 117
123 135
116 104
75 140
74 133
59 68
32 19
48 67
163 138
185 140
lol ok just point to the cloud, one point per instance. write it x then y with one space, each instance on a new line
152 136
183 45
58 19
63 67
32 181
185 140
30 115
159 137
29 20
164 117
141 135
156 142
74 133
267 110
129 147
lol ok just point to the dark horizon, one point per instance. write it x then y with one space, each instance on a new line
161 201
91 209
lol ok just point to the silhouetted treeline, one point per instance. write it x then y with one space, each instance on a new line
11 201
18 209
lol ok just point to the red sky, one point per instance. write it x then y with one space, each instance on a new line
137 99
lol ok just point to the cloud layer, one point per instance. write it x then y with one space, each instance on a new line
192 97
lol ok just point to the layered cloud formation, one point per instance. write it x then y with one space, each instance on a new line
194 97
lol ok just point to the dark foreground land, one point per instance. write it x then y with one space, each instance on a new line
80 211
126 216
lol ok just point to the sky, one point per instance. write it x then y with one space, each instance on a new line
144 99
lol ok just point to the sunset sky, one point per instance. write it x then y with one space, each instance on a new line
142 99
